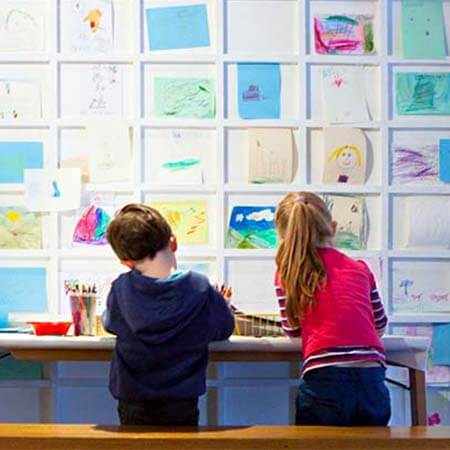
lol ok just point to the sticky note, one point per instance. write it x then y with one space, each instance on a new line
441 347
177 27
444 160
15 157
423 35
259 87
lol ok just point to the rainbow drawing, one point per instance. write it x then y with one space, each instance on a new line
91 227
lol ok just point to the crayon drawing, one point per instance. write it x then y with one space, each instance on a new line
19 228
20 100
91 227
252 227
438 407
15 157
415 164
185 97
182 171
187 218
344 35
350 213
424 93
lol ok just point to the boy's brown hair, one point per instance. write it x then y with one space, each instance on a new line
138 231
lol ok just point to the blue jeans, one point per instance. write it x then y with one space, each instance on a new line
343 397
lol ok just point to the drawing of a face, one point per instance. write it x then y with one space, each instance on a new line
347 159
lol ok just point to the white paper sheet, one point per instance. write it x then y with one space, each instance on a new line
109 156
21 26
87 26
20 100
52 189
343 94
101 87
428 222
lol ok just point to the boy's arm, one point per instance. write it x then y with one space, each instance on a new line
289 330
221 323
377 307
110 313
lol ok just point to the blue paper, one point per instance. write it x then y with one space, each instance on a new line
441 344
444 160
177 27
259 87
15 157
23 289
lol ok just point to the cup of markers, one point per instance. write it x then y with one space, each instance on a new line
83 306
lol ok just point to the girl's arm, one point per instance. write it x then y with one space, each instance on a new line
377 308
289 330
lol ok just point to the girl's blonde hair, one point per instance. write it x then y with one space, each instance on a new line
303 223
338 151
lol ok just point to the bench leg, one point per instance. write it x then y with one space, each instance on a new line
418 397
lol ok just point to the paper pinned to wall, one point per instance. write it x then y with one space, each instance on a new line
81 163
259 89
177 27
109 155
181 171
345 156
423 33
344 34
441 347
444 160
428 222
91 227
343 94
21 27
52 189
23 289
426 93
15 157
270 155
350 213
87 25
185 97
187 218
19 228
252 227
20 100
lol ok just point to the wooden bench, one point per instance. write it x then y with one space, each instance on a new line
93 437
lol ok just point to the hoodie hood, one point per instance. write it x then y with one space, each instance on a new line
156 310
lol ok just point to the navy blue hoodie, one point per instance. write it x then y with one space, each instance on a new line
163 329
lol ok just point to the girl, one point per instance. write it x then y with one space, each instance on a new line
332 301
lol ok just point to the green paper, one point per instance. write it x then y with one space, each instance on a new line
423 34
10 369
185 97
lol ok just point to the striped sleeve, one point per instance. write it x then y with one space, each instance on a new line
377 307
289 330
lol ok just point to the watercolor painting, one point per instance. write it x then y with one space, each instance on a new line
20 100
15 157
187 218
426 93
19 228
91 227
415 163
182 171
350 213
344 35
444 160
252 227
184 97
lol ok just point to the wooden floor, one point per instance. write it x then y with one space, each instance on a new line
84 437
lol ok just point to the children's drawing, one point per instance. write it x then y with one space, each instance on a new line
345 156
185 97
101 89
19 228
422 29
183 171
438 410
78 163
270 155
344 35
428 288
15 157
23 289
426 93
91 227
252 227
423 232
20 100
187 218
259 87
444 160
52 189
414 163
87 25
109 156
350 213
21 27
441 349
343 94
177 27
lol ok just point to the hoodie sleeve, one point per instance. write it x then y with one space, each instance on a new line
111 314
221 320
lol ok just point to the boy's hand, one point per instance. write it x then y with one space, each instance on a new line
224 291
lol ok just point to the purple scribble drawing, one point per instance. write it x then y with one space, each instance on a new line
415 164
252 94
439 297
416 297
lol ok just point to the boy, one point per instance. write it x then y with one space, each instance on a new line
163 319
